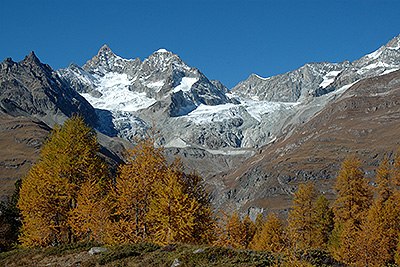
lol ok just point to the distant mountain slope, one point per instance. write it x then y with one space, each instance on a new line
195 112
365 120
33 89
163 83
316 79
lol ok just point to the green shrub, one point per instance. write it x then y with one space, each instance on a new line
125 251
69 248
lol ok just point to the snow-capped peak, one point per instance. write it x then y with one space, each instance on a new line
376 54
162 50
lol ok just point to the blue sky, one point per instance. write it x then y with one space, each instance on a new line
226 39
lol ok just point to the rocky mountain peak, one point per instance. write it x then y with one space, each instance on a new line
162 50
394 43
105 49
7 63
33 89
106 61
105 52
31 58
163 58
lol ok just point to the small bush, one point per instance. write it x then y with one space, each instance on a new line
219 256
69 248
318 257
125 251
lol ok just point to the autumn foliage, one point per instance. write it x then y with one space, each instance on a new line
69 196
49 193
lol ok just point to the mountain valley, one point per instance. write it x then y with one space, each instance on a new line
254 144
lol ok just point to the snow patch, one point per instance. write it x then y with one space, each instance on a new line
329 78
377 65
230 152
376 54
344 88
185 85
262 78
178 142
258 108
155 85
395 47
207 114
389 71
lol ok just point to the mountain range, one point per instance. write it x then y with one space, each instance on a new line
253 143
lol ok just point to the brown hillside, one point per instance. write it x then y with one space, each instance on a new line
20 142
365 120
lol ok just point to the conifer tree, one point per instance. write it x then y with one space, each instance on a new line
353 192
50 189
172 211
379 230
232 232
385 186
248 232
378 234
301 217
229 230
193 185
353 200
145 166
324 222
10 220
271 237
89 220
155 201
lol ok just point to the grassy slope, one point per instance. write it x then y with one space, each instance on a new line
147 254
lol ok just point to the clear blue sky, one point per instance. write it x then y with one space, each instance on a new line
226 39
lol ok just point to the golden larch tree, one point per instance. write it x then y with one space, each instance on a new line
193 185
144 167
232 232
301 217
354 195
271 237
50 189
323 222
172 211
90 219
353 200
380 229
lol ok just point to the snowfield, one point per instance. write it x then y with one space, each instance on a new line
116 96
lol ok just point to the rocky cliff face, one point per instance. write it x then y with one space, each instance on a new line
130 94
33 89
293 86
162 74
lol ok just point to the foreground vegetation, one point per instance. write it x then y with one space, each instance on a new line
148 254
69 201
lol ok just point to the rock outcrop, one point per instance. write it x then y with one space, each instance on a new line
30 88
